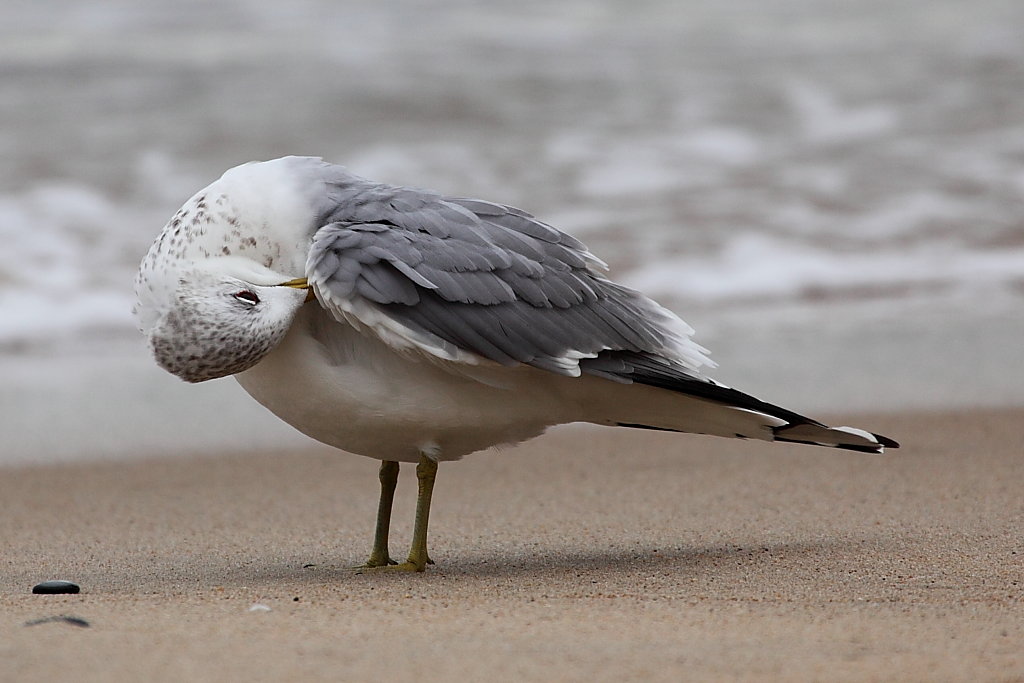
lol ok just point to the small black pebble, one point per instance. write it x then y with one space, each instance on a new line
50 587
295 599
74 621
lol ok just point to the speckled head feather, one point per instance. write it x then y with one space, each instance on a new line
257 215
219 325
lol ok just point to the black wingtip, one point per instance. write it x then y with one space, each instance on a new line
886 441
844 446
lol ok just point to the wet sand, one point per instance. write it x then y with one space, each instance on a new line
587 554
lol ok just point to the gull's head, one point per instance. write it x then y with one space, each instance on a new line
209 294
223 317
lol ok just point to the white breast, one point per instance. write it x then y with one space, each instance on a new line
351 391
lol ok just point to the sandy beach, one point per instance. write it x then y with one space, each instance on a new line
587 554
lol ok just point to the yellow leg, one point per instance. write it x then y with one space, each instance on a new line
426 471
379 556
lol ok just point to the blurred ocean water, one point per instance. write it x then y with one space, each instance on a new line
839 184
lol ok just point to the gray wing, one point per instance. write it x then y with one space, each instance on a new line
465 279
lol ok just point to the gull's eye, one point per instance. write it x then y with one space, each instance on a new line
247 297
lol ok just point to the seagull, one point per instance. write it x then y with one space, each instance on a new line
411 326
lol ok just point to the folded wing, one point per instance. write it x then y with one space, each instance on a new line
466 280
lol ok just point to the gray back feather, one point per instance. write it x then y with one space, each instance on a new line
484 278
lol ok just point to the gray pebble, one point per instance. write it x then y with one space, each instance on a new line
49 587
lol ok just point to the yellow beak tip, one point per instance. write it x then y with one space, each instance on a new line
300 283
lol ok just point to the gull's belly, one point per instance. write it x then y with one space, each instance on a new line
352 391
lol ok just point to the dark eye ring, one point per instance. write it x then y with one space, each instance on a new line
247 297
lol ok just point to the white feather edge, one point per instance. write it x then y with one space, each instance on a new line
366 317
857 432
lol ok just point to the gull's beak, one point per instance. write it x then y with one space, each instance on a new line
300 283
